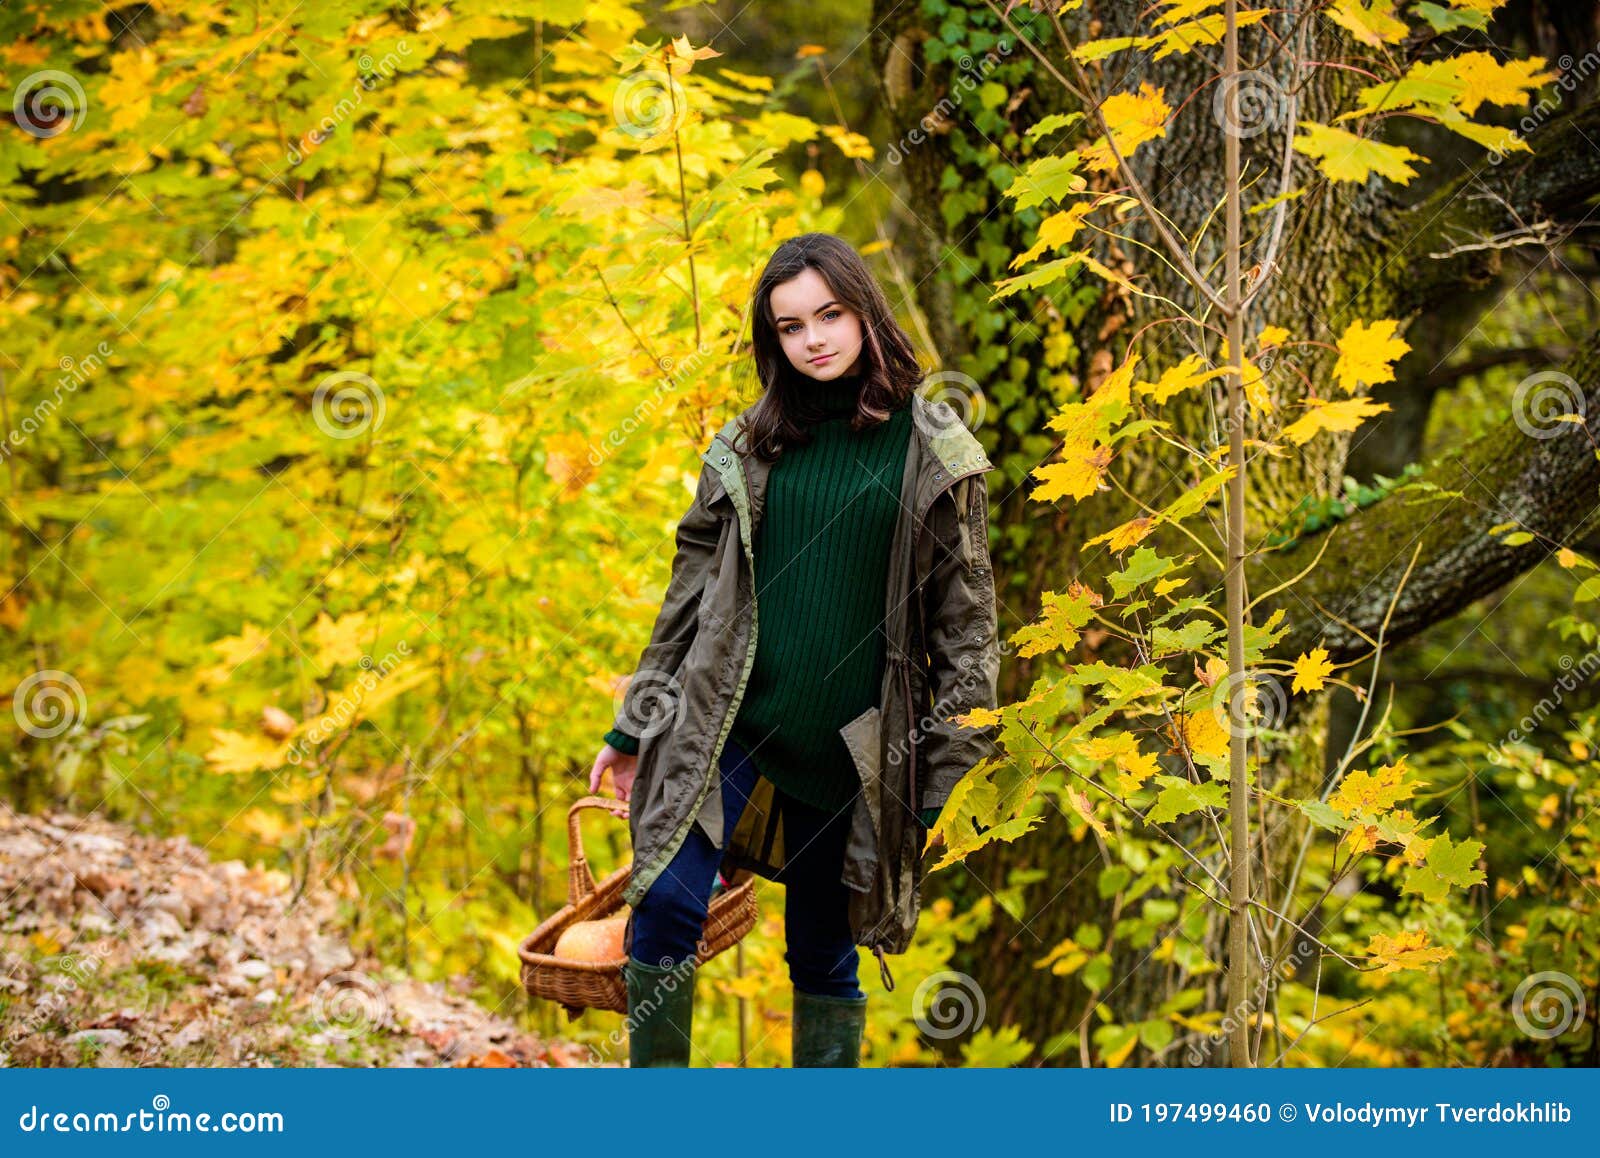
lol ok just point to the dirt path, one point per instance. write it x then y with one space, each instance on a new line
118 949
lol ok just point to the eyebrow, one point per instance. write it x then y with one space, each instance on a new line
818 310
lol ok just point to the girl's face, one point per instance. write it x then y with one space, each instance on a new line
822 337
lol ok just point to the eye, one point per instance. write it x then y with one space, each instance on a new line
832 314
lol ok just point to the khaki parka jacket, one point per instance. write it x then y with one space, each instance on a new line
942 660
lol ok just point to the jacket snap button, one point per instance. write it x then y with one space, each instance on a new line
938 474
723 461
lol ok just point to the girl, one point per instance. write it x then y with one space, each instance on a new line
831 577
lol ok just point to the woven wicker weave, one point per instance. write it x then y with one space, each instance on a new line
580 985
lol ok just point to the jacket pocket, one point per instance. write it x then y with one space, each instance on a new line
863 737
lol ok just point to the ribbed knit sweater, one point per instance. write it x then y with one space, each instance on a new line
822 570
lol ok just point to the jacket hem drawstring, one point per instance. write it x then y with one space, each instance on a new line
883 968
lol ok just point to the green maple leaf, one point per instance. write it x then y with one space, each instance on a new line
1447 864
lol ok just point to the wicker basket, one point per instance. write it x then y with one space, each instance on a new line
580 985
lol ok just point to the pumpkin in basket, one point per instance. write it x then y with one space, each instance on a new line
596 941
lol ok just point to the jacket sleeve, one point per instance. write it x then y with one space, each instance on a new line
653 691
959 626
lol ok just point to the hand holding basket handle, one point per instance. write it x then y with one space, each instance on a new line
623 767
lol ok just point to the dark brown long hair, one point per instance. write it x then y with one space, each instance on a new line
887 365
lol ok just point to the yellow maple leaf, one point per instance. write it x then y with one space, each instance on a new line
1408 949
1078 474
568 460
1331 416
853 145
1344 156
980 718
1136 767
1271 336
1311 669
342 640
1190 372
236 752
1132 119
1055 231
1373 23
1363 838
235 649
1367 354
1200 31
1485 80
1086 421
1203 734
1371 793
1129 534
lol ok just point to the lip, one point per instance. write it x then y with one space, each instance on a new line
821 360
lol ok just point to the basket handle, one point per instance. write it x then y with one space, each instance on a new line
580 882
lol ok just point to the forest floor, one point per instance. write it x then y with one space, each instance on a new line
120 949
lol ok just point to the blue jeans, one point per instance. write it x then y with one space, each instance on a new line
820 952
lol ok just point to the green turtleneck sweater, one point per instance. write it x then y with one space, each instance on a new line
822 569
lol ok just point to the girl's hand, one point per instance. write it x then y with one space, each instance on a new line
623 767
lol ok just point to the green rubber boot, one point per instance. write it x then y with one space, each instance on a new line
660 1012
828 1030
